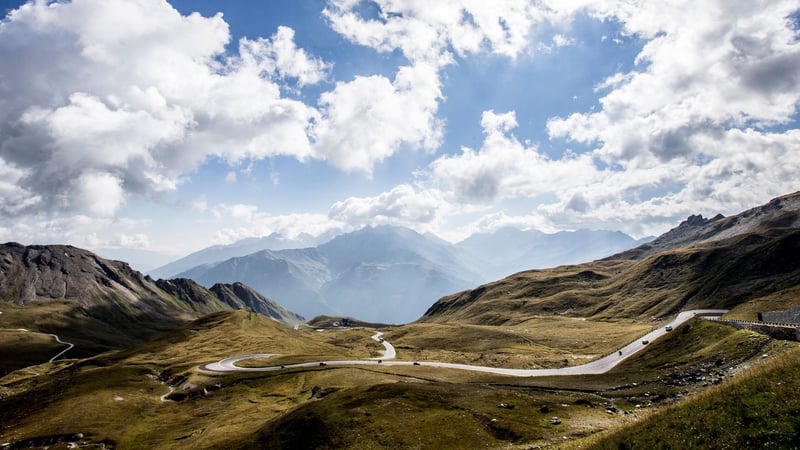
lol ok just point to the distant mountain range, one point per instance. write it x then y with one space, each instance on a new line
510 250
747 263
243 247
388 274
103 304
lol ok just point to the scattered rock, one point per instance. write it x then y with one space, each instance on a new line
706 374
544 409
555 421
320 392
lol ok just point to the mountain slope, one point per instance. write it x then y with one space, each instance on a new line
780 212
293 277
243 247
753 256
381 274
756 410
240 296
100 304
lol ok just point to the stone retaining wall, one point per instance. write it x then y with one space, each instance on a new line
775 330
792 316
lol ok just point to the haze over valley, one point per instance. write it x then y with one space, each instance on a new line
387 274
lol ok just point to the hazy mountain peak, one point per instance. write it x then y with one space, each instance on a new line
508 250
391 274
218 253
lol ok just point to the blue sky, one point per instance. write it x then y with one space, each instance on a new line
163 127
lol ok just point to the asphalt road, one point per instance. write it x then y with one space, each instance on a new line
69 345
599 366
388 353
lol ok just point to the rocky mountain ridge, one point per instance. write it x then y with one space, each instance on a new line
738 263
392 274
780 212
105 303
381 274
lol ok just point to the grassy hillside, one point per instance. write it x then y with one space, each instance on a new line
417 415
758 409
725 274
542 342
99 304
20 349
119 394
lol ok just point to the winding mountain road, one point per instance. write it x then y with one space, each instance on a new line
69 345
599 366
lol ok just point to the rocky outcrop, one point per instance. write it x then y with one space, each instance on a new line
42 273
780 212
50 272
241 296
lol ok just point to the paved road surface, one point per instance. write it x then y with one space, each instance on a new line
599 366
69 345
388 353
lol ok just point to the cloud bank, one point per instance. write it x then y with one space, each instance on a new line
705 121
108 99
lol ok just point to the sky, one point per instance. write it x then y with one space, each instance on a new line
166 127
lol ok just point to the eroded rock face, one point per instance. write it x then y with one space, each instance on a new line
42 273
780 212
61 272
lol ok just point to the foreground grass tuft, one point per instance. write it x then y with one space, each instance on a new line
759 409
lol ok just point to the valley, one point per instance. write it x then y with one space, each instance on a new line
575 356
597 366
403 268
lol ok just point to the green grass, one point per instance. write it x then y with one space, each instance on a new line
695 342
432 415
759 409
118 394
19 349
781 300
541 342
92 330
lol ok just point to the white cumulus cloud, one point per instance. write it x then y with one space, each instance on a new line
136 92
402 205
366 120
